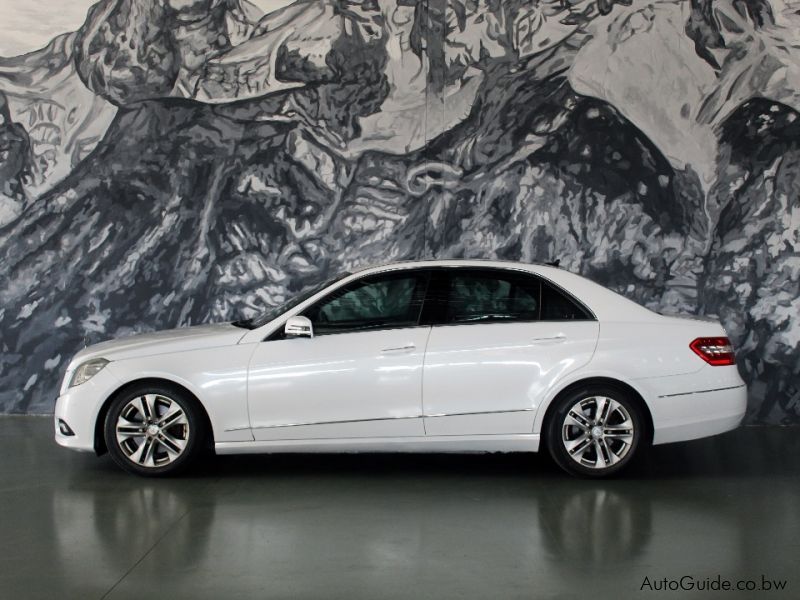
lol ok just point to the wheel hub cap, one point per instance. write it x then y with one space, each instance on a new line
597 432
153 430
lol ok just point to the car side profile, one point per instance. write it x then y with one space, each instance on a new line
428 356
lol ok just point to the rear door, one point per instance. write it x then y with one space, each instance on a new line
500 339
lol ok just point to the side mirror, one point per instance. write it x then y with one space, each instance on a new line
299 327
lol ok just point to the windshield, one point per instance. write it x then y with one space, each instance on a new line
277 311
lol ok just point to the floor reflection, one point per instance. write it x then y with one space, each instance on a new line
384 526
598 526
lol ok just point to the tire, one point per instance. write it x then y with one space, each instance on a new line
585 444
154 430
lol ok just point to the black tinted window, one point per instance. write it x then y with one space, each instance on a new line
386 300
491 296
556 306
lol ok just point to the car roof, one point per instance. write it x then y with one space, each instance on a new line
456 262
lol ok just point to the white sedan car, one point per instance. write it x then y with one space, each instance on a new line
434 356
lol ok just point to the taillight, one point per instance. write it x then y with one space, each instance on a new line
716 351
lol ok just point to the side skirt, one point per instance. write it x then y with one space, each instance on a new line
527 442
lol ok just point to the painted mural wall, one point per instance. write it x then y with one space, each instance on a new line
172 162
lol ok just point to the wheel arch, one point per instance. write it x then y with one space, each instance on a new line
99 423
635 394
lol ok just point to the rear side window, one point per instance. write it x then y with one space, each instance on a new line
491 296
557 306
463 296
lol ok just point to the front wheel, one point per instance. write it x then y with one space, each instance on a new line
153 430
594 431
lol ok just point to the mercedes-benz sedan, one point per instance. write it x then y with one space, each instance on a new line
435 356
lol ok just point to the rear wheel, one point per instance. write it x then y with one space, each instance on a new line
594 431
154 430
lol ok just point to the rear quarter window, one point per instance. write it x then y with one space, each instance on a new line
557 306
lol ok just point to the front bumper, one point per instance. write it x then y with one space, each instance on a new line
79 408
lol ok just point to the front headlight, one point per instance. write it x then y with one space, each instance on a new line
87 370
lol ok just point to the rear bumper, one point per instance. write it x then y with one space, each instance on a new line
689 416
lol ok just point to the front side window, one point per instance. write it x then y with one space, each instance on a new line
375 302
277 311
491 296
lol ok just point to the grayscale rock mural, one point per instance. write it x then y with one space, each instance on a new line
173 162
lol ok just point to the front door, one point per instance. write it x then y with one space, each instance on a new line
359 376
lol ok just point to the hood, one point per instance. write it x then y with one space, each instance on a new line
162 342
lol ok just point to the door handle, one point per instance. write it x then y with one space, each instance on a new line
553 339
406 348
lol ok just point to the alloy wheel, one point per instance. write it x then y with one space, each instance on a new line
152 430
597 432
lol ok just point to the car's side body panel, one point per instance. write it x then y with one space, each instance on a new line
489 378
685 395
648 349
344 385
655 360
676 416
216 376
415 444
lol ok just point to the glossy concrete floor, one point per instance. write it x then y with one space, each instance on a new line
488 526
